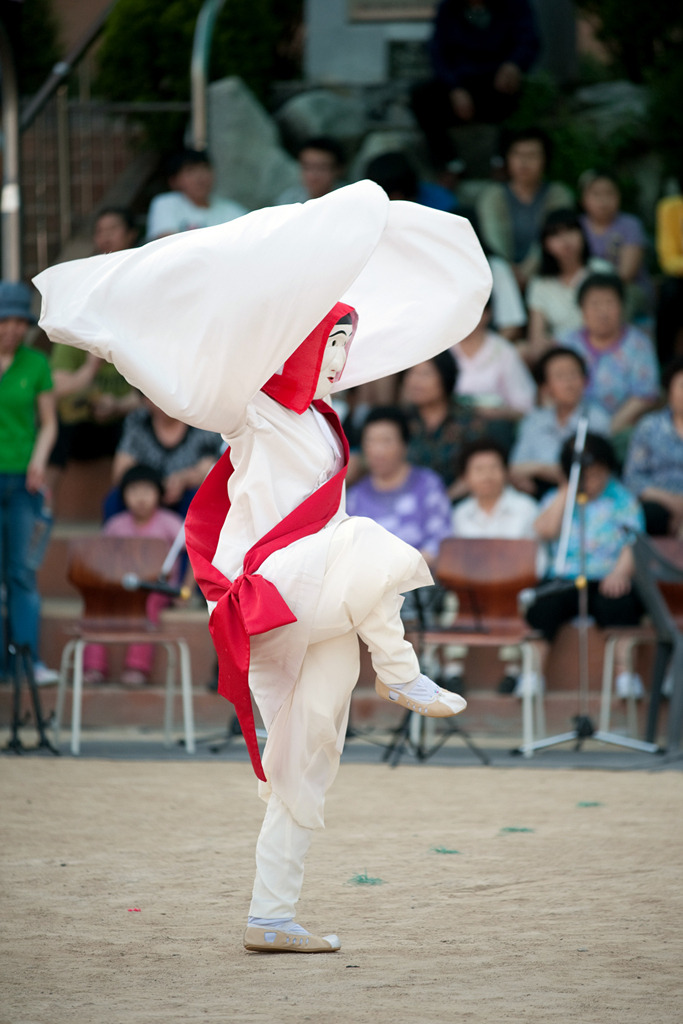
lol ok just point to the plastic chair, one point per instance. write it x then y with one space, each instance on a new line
113 614
631 637
487 575
659 577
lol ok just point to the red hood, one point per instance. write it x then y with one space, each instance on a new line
295 386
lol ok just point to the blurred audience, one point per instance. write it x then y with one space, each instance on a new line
180 454
395 173
492 509
191 202
92 397
653 470
619 238
409 501
511 213
535 458
509 315
552 293
114 230
28 427
439 425
321 161
141 491
606 561
622 366
480 51
493 378
669 242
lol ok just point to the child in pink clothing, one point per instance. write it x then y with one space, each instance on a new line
141 488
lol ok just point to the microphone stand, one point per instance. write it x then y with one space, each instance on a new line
583 725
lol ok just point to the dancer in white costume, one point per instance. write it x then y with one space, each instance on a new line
210 326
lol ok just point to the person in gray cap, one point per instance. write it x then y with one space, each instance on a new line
28 428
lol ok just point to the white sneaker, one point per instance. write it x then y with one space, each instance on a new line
629 684
529 684
43 675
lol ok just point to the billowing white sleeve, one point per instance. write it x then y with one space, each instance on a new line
200 321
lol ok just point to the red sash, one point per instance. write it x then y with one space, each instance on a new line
250 604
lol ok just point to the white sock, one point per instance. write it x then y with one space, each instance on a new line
422 689
283 924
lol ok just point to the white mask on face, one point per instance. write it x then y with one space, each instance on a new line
334 358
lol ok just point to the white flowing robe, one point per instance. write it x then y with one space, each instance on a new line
200 321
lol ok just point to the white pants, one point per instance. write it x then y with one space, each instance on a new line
303 764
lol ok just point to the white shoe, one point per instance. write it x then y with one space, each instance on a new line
424 697
529 684
629 684
668 684
43 675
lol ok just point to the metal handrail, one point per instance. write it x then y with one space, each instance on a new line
63 69
11 191
199 70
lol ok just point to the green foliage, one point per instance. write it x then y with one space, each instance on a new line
147 46
646 43
34 38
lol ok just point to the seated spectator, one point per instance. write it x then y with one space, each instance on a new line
141 490
492 509
623 376
191 202
93 398
653 470
508 313
618 238
669 243
552 293
28 427
439 425
480 51
511 214
535 457
493 377
114 230
321 161
607 560
180 454
396 175
409 501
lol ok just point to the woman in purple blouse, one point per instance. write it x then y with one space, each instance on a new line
409 501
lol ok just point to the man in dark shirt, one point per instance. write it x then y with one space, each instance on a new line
480 51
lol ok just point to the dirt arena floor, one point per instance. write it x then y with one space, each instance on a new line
505 895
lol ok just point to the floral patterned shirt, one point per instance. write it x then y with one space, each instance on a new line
626 370
606 516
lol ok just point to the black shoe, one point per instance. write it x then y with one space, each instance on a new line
507 684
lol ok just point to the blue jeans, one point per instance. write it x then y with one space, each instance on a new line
18 513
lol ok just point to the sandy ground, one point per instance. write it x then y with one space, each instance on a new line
125 888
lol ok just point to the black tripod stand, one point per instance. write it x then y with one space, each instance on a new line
415 732
413 736
583 726
21 666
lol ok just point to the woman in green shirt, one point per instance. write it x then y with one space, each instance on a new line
28 427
